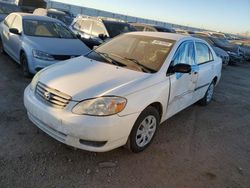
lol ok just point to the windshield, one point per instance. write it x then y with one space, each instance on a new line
40 28
7 9
117 28
140 53
62 17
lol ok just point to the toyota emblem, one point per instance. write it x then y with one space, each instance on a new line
47 96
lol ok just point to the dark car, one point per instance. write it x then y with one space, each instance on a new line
96 30
152 28
235 52
219 52
245 47
54 13
6 9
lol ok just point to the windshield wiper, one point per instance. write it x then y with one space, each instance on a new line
108 58
145 69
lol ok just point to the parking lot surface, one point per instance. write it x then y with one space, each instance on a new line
199 147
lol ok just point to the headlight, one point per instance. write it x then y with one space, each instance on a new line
42 55
35 80
102 106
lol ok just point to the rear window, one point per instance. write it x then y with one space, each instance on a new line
117 28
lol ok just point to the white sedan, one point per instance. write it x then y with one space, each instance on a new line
119 93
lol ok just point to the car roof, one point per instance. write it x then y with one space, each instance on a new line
113 21
150 25
56 11
164 35
28 16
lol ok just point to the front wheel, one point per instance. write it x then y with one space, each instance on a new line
144 130
208 96
25 66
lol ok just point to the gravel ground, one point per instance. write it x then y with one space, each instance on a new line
199 147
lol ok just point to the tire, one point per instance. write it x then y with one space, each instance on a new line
1 47
144 130
208 96
25 66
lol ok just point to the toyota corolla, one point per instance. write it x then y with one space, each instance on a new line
119 93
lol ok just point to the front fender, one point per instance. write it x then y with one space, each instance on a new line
138 101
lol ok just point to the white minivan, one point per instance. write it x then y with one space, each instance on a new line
119 93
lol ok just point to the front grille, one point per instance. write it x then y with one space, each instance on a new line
63 57
51 96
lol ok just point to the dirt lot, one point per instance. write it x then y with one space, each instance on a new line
199 147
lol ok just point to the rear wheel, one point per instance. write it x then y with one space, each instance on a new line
208 96
25 66
144 130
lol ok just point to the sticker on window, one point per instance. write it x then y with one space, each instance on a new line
163 43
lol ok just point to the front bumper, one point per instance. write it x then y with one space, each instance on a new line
38 64
73 130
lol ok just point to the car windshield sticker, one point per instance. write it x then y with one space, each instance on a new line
163 43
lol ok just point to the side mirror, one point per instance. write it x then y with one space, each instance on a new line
102 36
14 31
181 68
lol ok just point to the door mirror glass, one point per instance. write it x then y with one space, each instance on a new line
14 31
181 68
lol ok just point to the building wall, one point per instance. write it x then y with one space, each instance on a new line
94 12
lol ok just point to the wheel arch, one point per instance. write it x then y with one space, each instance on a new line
215 80
158 106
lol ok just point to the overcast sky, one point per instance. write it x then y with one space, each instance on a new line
221 15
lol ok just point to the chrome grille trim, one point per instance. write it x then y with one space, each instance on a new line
54 97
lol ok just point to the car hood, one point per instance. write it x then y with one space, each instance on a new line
82 78
58 46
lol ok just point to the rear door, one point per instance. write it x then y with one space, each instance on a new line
182 85
205 62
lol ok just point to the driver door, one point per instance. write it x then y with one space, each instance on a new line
182 85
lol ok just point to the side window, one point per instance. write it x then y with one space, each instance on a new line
77 24
9 20
148 29
17 24
98 29
203 53
184 54
139 28
85 26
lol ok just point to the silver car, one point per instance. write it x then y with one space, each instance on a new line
38 41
